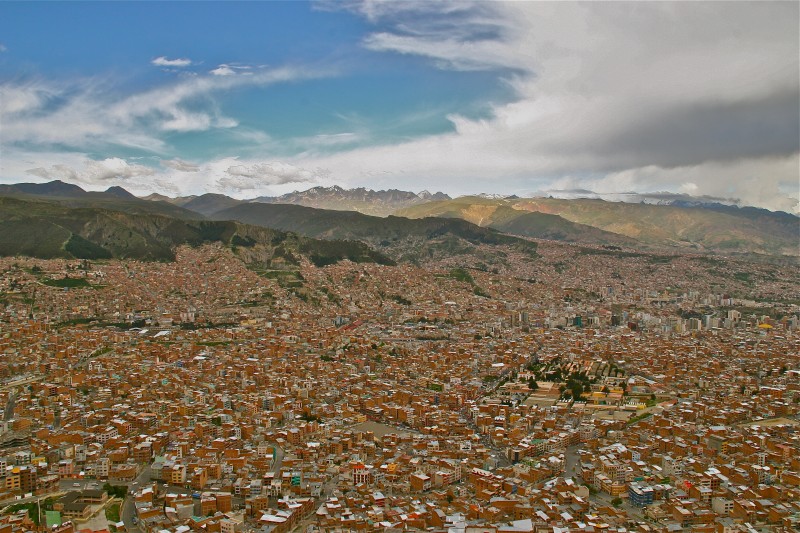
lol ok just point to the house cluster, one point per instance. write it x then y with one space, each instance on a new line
532 397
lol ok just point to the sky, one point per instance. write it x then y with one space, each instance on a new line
262 98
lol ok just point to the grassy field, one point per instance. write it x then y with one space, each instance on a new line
112 512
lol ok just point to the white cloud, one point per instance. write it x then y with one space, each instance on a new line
331 139
232 69
90 115
175 63
113 169
241 178
182 120
258 175
23 98
377 10
3 48
180 165
449 52
223 70
632 99
772 182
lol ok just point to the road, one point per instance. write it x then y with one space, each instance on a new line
128 509
9 412
127 512
24 381
572 468
66 485
278 462
83 360
14 501
572 463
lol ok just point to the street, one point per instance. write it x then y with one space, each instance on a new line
572 463
9 411
128 509
278 459
572 469
66 485
24 381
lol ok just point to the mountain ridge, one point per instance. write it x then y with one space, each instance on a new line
677 223
366 201
115 198
47 229
400 237
719 228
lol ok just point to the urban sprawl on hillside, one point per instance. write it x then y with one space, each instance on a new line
589 389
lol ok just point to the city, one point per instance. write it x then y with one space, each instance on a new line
369 397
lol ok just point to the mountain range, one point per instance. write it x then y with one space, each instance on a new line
402 238
61 220
707 227
422 226
47 228
114 198
673 222
369 202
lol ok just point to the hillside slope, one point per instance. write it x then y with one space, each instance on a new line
497 214
708 228
115 198
403 238
46 229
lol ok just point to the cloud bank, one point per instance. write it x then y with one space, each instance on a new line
241 178
686 97
90 114
93 172
610 97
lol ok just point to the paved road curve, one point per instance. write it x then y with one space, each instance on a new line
128 510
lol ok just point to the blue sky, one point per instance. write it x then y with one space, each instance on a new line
259 98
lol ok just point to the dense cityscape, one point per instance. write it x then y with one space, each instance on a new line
587 389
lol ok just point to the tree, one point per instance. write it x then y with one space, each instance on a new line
577 390
532 385
115 491
616 502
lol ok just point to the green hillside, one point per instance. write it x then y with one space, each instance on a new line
46 229
401 237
